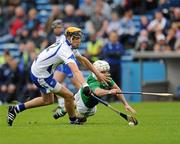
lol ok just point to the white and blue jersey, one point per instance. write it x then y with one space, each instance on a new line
43 67
64 68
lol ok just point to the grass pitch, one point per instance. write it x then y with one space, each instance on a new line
158 123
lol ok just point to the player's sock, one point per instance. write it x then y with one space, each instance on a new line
19 108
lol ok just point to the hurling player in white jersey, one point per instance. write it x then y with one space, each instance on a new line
42 71
64 71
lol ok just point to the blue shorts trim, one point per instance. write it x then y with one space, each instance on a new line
45 85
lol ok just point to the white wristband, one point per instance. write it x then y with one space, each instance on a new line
85 84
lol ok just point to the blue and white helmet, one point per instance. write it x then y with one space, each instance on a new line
102 66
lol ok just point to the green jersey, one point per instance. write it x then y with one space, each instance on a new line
93 83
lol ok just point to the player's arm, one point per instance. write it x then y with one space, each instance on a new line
102 92
76 72
84 61
122 99
78 75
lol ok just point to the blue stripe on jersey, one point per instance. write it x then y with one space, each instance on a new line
72 57
68 42
53 53
49 68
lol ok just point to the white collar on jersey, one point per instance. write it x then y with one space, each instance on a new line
94 76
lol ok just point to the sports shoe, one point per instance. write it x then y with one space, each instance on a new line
82 120
79 121
60 112
76 122
11 115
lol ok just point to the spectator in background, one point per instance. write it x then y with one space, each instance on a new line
28 90
28 52
3 27
32 21
158 24
94 46
70 19
12 2
112 52
127 29
104 7
175 17
161 45
86 9
18 21
36 38
171 37
8 13
143 42
28 4
119 6
143 45
16 24
97 23
22 36
10 79
144 22
55 14
114 23
25 50
31 47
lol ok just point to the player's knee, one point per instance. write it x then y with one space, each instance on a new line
69 97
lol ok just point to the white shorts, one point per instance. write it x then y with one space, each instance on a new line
81 108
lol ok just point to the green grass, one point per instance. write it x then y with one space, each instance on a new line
158 123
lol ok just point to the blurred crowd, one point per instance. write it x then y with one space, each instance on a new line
110 28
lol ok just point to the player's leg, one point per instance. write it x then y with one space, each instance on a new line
76 83
60 110
47 87
45 99
59 76
68 99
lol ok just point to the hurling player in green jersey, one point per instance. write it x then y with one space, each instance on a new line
85 104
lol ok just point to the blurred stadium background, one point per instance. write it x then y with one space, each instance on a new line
139 38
